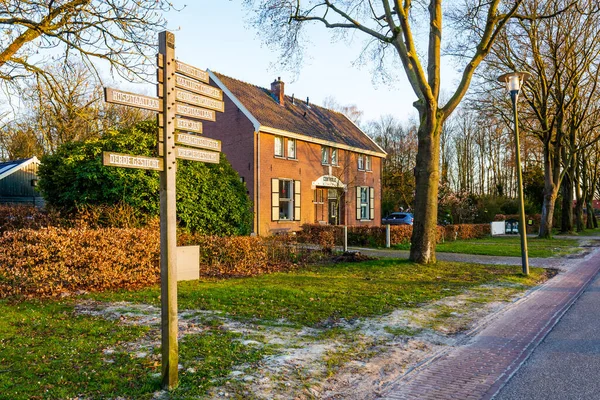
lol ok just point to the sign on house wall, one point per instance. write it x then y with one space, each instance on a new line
183 98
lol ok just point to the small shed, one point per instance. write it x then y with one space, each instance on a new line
512 226
18 182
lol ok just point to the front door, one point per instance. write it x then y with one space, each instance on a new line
334 212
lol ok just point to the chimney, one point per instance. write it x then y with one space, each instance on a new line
278 92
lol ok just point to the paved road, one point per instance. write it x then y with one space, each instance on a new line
480 368
565 366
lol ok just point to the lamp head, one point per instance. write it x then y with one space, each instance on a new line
514 80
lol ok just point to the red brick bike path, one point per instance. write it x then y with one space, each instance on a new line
479 369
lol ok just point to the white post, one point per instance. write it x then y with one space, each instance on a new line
345 238
387 236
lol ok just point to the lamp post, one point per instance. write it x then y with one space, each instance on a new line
513 81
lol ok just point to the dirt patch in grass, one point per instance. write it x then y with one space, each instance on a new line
349 359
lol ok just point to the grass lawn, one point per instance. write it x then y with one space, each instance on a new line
315 296
49 351
506 246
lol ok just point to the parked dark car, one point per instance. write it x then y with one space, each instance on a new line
398 218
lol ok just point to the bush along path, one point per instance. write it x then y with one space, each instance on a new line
305 333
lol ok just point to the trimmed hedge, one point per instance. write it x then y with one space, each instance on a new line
374 236
245 255
53 261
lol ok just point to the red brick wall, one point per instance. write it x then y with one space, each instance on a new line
307 168
236 133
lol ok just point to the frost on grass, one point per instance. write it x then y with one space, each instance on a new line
347 359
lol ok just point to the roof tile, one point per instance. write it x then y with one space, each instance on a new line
313 121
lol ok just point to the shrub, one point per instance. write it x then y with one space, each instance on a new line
26 217
56 260
211 199
51 261
374 236
245 255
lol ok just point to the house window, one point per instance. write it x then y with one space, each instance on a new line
365 203
329 155
291 148
361 162
368 163
324 155
278 146
334 157
285 200
319 202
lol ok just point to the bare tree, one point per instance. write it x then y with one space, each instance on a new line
561 54
394 25
71 108
36 33
351 111
397 179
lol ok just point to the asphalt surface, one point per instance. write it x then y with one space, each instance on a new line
566 365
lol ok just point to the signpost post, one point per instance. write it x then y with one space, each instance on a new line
178 97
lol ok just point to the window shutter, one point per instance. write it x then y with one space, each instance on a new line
274 199
371 203
297 201
358 203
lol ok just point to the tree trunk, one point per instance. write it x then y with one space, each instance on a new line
550 195
547 215
567 204
579 199
427 179
589 222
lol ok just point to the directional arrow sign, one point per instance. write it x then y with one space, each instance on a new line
197 100
198 141
192 72
197 87
188 125
195 112
183 124
131 99
197 155
129 161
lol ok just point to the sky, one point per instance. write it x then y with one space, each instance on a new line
216 35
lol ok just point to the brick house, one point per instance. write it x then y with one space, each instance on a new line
301 163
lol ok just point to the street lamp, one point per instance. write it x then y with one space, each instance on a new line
514 81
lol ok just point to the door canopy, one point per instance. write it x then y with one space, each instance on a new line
329 181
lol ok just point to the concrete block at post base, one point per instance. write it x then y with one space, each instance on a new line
188 263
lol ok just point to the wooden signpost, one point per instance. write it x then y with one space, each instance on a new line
178 99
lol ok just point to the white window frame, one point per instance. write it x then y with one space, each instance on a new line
368 163
292 199
334 156
365 203
361 162
291 148
286 201
324 155
280 140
